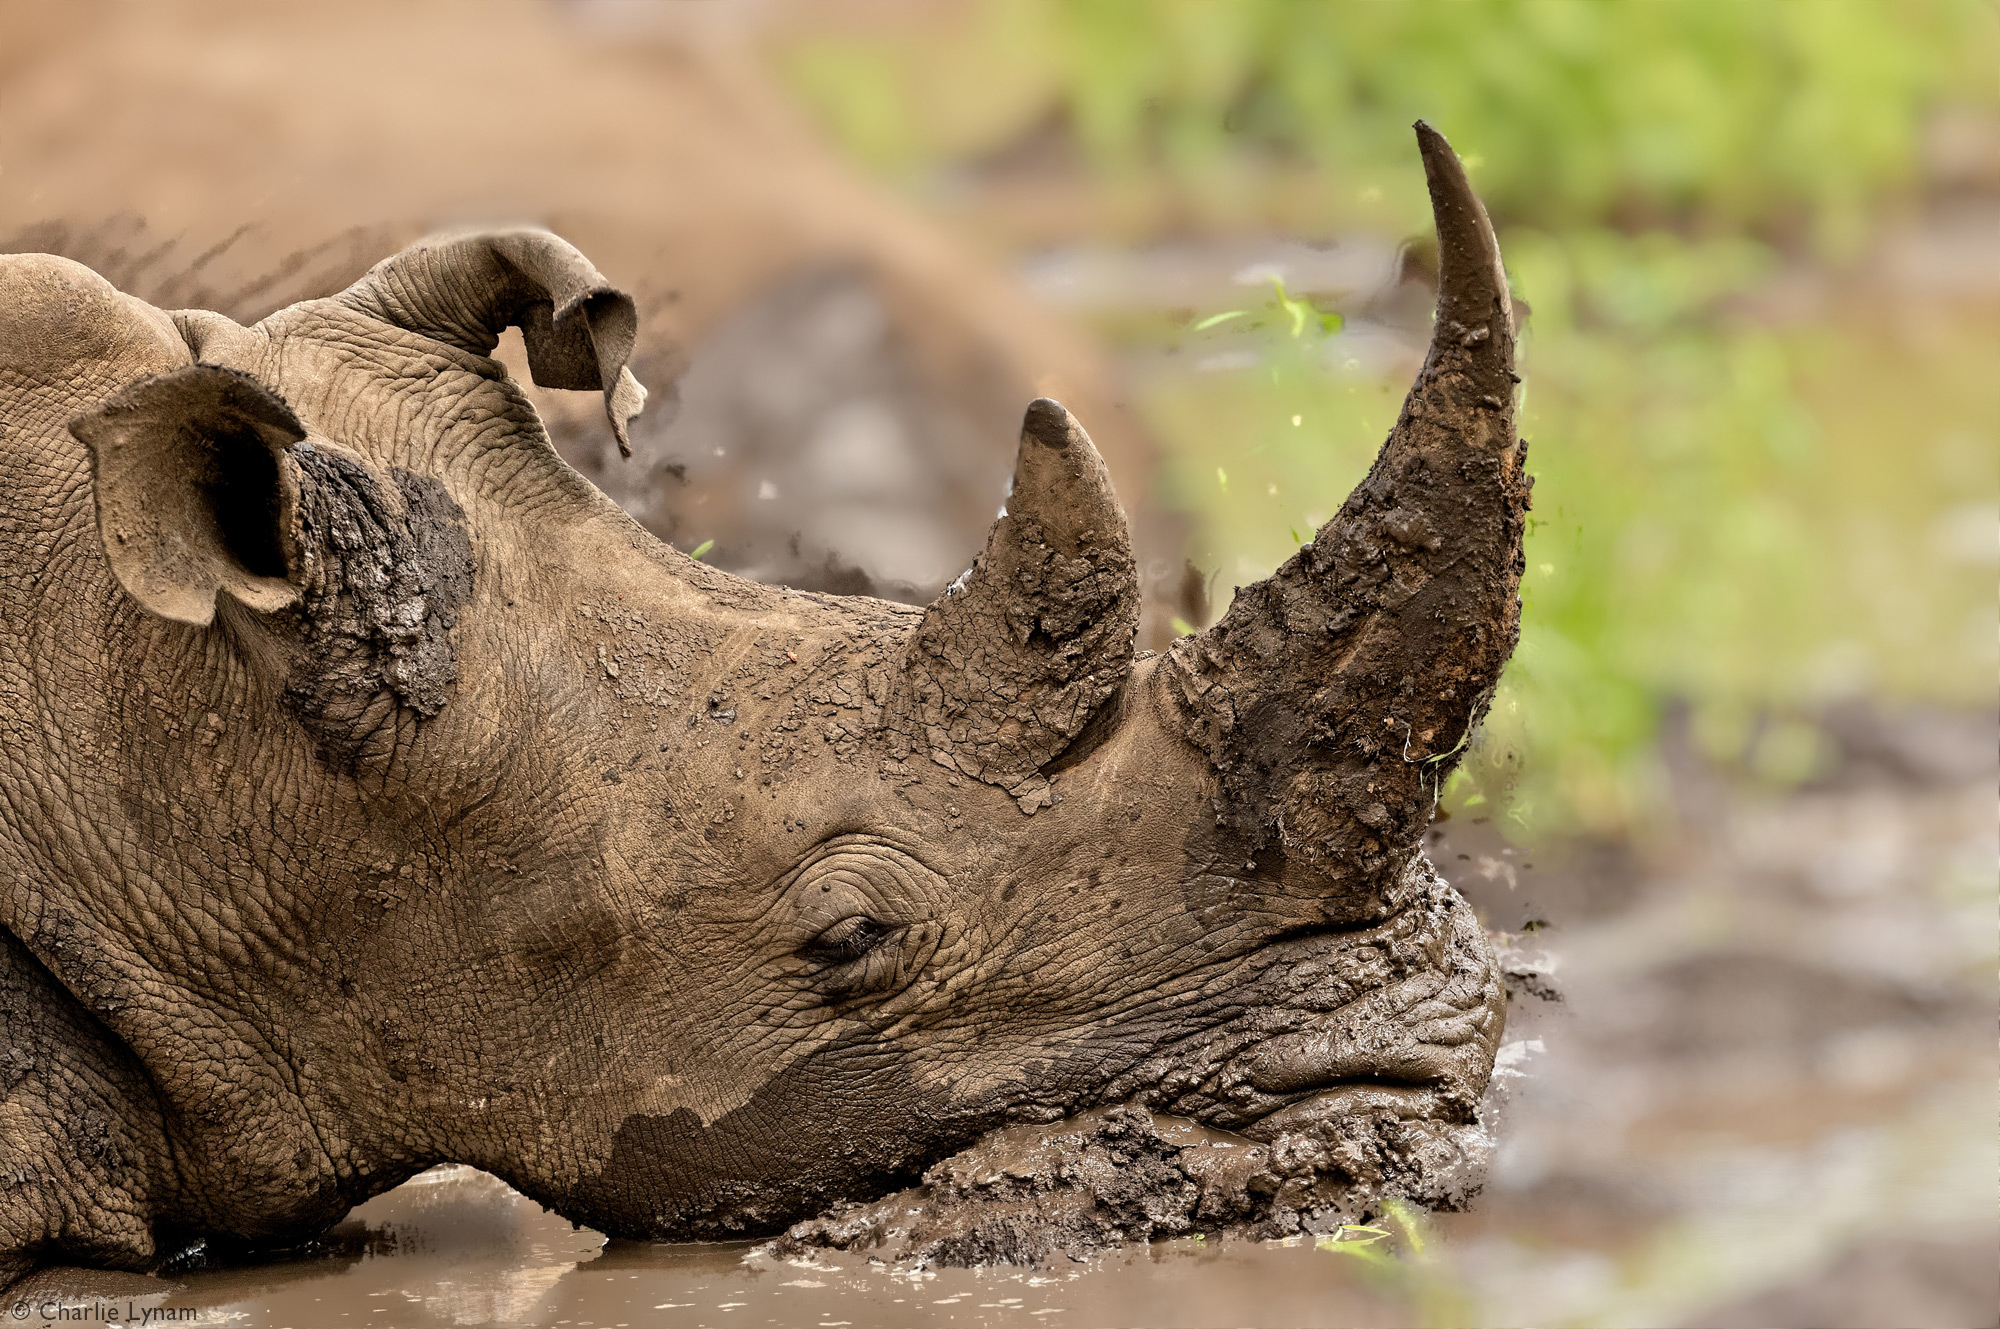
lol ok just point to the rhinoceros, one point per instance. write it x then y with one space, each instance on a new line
378 794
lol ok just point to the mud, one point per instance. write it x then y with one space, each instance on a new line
385 593
1059 1194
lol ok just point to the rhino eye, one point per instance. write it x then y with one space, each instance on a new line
856 919
848 940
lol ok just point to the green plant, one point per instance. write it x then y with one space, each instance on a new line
1399 1256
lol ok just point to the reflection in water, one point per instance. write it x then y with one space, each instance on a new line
451 1247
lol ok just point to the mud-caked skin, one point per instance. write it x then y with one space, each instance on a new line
376 794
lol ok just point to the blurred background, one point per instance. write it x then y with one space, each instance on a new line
1733 814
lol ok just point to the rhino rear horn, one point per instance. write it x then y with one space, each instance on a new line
1010 662
463 288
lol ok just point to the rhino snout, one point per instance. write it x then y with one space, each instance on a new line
1408 1011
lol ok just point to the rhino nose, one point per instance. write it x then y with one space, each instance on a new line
1415 1032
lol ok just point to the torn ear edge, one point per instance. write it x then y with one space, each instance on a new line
197 492
463 287
584 341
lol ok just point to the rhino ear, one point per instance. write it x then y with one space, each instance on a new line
197 492
463 288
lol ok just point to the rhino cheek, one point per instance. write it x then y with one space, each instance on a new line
847 1122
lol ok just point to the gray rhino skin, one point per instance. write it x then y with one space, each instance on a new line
377 794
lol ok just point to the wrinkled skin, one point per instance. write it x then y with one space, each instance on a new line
377 794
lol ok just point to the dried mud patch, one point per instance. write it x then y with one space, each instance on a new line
1041 1195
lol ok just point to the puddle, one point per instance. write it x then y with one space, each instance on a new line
457 1247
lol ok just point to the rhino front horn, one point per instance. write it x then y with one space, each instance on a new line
1336 695
1010 662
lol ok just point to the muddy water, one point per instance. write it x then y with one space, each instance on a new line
1748 1080
456 1247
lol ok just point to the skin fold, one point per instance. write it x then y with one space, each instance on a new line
377 794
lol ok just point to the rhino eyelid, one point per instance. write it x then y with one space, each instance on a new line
849 940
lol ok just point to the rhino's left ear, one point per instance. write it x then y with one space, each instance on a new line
197 492
463 288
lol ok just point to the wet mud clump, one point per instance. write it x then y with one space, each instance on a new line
1040 1195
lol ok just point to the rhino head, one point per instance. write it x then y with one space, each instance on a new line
395 799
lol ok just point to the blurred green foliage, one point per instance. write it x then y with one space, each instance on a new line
1754 512
1759 114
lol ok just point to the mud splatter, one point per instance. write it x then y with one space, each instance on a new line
1041 1195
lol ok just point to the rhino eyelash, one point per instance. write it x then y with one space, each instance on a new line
850 939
